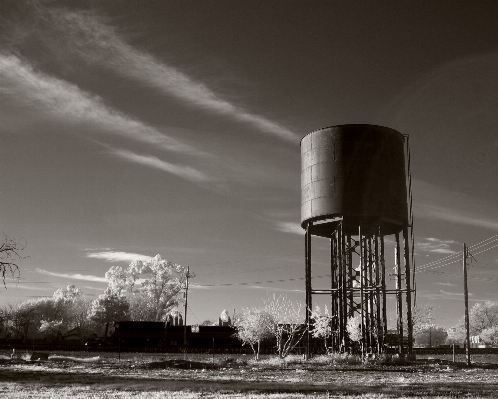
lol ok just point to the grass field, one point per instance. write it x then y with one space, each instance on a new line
91 375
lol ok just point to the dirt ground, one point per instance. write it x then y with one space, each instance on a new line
139 376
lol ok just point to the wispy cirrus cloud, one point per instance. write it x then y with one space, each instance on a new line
74 276
185 172
437 203
290 227
452 296
455 294
446 284
56 98
436 245
88 287
90 37
456 216
28 287
116 256
444 295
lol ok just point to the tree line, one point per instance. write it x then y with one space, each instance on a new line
282 321
144 291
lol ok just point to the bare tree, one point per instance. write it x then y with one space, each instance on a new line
286 323
10 253
253 327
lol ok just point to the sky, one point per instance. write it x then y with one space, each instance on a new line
130 129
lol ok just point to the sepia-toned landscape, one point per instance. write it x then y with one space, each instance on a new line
248 199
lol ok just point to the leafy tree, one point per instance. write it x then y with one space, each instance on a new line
141 307
162 285
10 253
68 294
109 307
432 335
121 280
490 335
353 327
22 319
67 307
425 331
64 300
483 315
252 327
285 323
456 334
421 319
81 308
322 324
152 286
208 323
53 329
3 322
46 309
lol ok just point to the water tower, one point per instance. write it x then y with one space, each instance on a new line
356 192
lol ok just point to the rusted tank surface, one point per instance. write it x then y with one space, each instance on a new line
356 172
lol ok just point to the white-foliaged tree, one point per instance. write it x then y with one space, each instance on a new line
152 287
490 335
253 326
483 315
353 327
322 324
109 307
431 336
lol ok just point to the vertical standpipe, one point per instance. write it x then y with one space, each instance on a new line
354 193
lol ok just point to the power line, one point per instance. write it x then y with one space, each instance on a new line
249 260
442 260
193 314
243 271
259 282
477 253
495 237
481 244
435 265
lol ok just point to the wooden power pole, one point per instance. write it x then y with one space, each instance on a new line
466 295
185 318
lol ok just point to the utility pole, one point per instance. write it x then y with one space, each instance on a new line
185 318
466 294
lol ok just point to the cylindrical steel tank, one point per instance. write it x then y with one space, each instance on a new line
356 172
